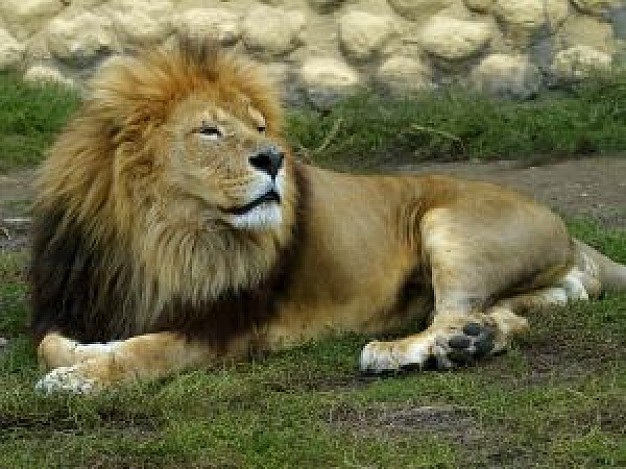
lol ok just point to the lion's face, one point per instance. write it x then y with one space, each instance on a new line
224 157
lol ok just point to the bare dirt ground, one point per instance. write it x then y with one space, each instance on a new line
15 197
589 187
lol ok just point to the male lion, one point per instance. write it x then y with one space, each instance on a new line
173 228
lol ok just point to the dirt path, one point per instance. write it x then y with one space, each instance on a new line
590 187
15 196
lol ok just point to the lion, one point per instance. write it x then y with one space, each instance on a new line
174 228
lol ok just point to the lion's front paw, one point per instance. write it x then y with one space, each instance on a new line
383 357
71 379
474 341
443 349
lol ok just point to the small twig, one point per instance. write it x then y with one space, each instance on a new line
21 221
442 133
307 155
331 135
5 232
17 223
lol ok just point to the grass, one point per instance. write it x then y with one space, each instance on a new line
370 131
30 117
455 124
557 399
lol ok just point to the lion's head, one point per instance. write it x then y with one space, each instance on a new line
175 168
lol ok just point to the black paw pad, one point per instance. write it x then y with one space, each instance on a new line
476 341
459 342
483 346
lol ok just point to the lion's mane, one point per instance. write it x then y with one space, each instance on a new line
103 267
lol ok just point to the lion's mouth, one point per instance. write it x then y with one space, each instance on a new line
269 197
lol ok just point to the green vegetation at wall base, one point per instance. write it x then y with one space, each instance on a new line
367 130
370 131
30 117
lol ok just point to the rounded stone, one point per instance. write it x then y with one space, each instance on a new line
404 74
452 39
272 31
418 9
587 31
80 37
362 35
508 76
531 14
277 73
28 16
11 51
327 80
219 24
524 20
328 72
142 21
45 74
579 61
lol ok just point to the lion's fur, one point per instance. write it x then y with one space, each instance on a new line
142 229
96 229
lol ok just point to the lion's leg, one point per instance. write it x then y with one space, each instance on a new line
454 339
85 368
56 350
467 271
448 341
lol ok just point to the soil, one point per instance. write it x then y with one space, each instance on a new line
589 187
15 197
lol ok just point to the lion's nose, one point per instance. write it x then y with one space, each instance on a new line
268 159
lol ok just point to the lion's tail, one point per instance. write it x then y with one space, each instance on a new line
611 274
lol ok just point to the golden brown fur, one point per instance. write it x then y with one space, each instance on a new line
148 232
107 174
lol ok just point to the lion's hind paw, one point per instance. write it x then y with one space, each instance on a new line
66 379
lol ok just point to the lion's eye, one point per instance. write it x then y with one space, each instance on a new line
210 131
261 128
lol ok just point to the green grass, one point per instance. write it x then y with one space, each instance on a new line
30 117
556 400
455 124
369 131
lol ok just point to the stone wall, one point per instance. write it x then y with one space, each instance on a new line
321 49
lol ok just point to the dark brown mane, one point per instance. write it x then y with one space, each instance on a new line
71 295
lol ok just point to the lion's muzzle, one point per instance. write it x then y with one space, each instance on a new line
269 197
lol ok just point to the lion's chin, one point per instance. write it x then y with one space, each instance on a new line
264 216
